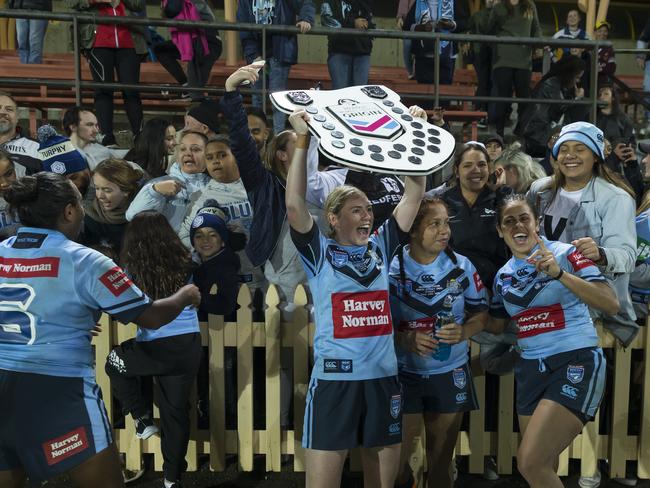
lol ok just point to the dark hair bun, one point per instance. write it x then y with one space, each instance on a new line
22 191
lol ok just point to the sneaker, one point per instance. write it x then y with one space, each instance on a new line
171 484
482 123
130 476
145 428
490 469
626 481
590 481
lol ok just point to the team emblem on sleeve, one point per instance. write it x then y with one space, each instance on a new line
395 405
575 374
460 379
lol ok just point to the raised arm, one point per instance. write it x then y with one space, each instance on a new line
299 217
408 206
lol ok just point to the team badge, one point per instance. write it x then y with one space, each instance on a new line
395 405
454 287
58 167
460 379
346 365
575 374
198 221
339 259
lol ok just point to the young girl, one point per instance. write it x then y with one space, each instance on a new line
354 396
157 261
427 280
547 288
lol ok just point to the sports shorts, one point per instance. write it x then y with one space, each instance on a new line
449 392
574 379
346 414
50 424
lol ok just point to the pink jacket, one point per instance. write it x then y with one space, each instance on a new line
183 39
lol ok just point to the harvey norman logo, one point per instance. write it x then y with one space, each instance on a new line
362 314
367 119
29 268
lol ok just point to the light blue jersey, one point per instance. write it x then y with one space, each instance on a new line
418 295
550 319
187 322
52 292
354 328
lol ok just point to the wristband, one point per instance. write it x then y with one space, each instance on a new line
559 274
302 142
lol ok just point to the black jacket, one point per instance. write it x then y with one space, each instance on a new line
221 270
332 16
539 119
45 5
474 233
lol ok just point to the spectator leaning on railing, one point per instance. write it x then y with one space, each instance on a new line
112 48
348 58
282 49
512 63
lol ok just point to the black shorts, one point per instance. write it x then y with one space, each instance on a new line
346 414
448 392
575 379
50 424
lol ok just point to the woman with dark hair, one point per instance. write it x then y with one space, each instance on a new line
591 207
511 63
116 183
540 119
438 302
471 204
613 121
547 288
8 221
156 259
54 420
153 147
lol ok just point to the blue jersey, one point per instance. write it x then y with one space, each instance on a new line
349 284
53 291
187 322
416 299
550 318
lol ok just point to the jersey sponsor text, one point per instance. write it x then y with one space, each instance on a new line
116 281
56 450
29 267
578 261
361 314
539 320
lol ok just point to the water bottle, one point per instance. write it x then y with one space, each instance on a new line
444 317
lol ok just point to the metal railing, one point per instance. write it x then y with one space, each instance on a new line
77 18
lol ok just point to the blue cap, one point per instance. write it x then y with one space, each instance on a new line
210 216
584 132
57 153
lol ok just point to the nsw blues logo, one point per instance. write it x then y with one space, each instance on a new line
367 119
460 378
395 405
339 258
575 374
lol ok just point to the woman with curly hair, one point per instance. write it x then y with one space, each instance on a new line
156 259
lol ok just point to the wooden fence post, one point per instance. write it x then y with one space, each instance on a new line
273 348
300 333
216 374
245 380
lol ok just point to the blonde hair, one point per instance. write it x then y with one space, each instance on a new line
336 200
278 143
527 169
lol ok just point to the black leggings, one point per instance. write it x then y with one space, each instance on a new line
104 62
174 362
198 69
505 79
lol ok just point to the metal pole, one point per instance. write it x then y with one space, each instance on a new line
436 73
263 70
594 85
77 62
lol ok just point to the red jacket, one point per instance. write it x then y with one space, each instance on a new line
112 35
